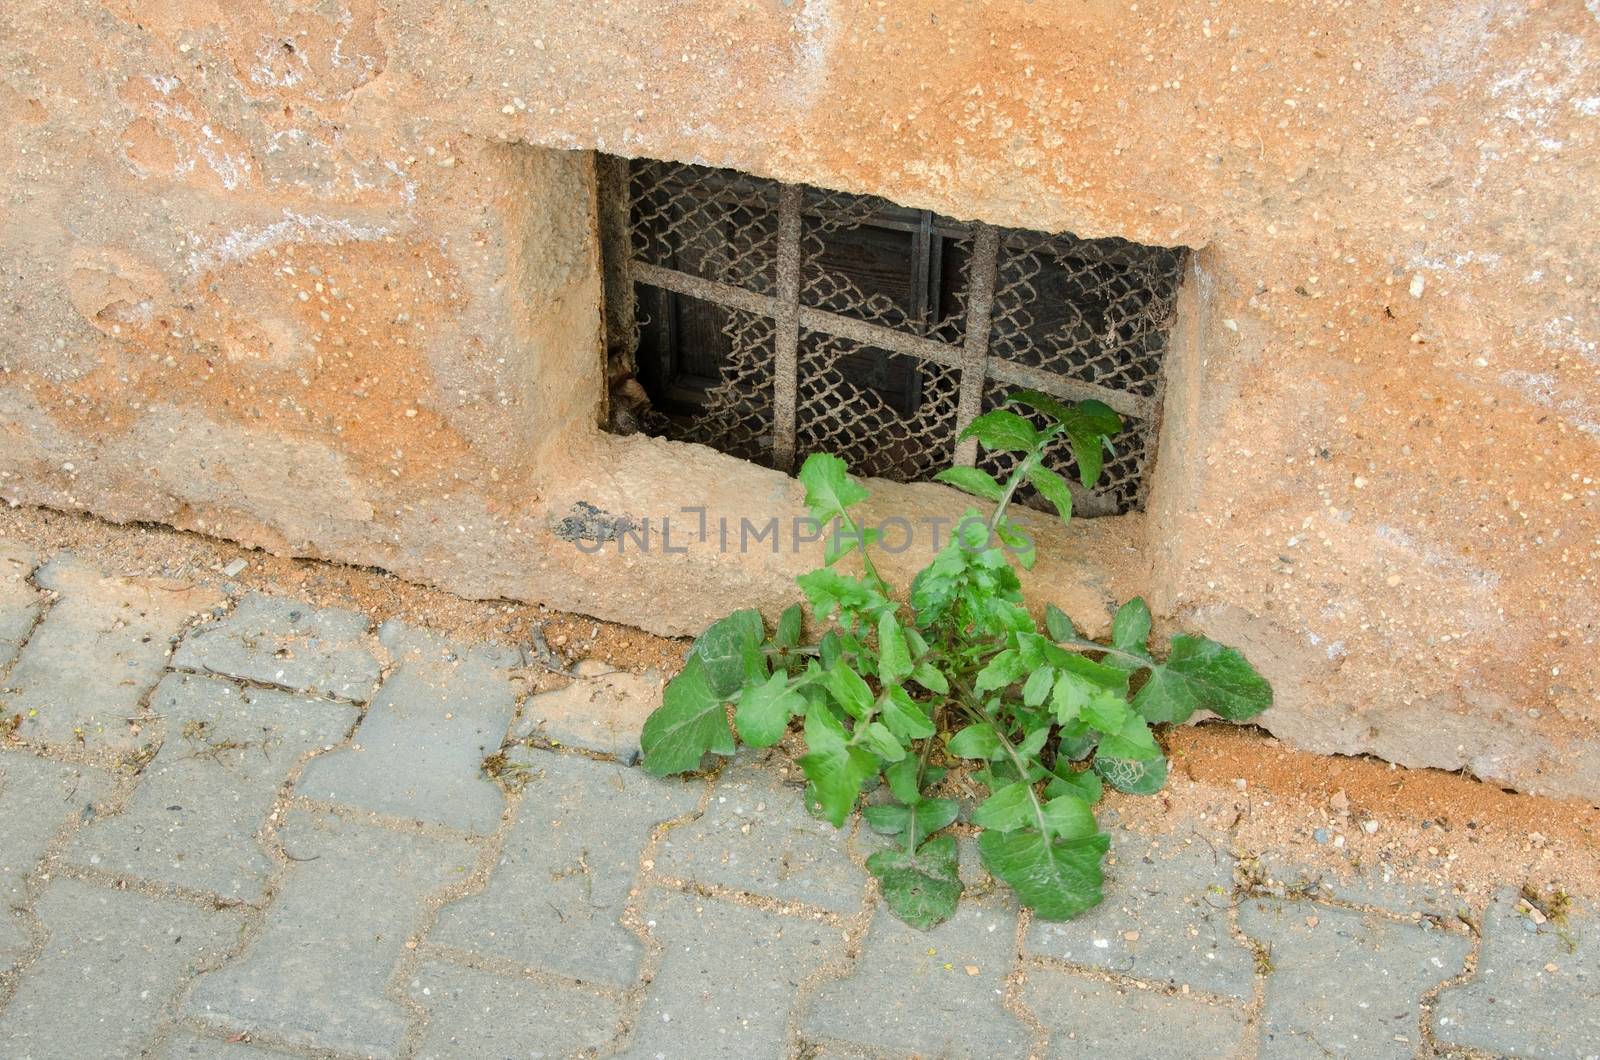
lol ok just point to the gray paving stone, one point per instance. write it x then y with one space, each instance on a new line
1086 1017
112 965
555 899
289 643
603 710
932 993
1375 885
40 798
186 1046
319 972
101 648
756 836
727 979
193 818
1514 1003
20 603
418 751
473 1014
1173 893
1349 985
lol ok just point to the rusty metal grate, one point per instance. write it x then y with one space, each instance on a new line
771 321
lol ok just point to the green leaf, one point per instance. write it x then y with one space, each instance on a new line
723 649
829 488
1037 688
1094 416
1201 674
1058 624
835 769
841 539
905 717
828 589
928 676
926 816
1004 616
894 658
1053 488
757 667
1098 674
1002 670
921 889
1035 740
1077 741
1009 808
1089 451
1089 426
1068 697
764 710
849 691
1056 878
975 741
690 721
790 625
1084 783
1002 430
1130 629
972 480
1068 816
1106 713
1133 741
1042 402
902 778
830 649
877 738
1089 690
1018 543
1134 776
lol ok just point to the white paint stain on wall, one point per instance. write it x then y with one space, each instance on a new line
817 30
294 228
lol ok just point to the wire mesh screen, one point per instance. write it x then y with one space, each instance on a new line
886 415
1122 470
772 321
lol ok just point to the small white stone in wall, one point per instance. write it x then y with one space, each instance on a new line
1417 283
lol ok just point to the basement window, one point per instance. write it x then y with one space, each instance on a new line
771 321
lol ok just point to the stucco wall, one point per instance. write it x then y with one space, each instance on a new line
297 274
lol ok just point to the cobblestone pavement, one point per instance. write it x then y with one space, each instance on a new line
247 828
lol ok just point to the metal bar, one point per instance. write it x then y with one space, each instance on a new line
1069 389
703 289
786 328
879 336
981 271
899 341
924 245
809 317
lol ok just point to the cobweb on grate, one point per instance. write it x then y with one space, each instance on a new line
900 425
1093 311
715 224
737 414
1122 475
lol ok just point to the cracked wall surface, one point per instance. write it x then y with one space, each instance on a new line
323 279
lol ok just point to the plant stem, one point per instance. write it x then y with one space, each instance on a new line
798 649
1090 645
922 768
1011 488
861 543
1011 751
